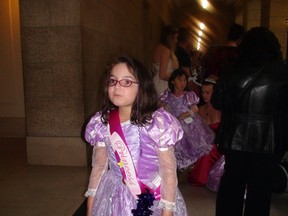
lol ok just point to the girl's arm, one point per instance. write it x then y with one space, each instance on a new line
193 109
167 169
100 165
163 67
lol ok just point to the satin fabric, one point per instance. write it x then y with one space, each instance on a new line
161 85
198 137
113 198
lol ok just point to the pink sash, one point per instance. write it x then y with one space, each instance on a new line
124 159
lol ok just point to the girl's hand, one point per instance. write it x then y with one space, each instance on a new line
181 117
185 115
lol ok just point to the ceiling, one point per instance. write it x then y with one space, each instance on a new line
217 17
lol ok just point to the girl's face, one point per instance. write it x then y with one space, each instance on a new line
180 83
207 91
122 96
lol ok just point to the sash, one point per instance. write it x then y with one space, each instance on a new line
124 159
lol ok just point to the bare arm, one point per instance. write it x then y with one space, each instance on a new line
189 113
90 201
164 59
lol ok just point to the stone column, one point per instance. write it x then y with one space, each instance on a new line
52 68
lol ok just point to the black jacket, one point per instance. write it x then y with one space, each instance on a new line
254 105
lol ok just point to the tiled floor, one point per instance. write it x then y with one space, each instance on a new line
58 191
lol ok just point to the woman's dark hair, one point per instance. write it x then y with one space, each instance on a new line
236 32
176 73
146 101
166 37
183 34
259 45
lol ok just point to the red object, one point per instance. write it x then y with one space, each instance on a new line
202 167
199 173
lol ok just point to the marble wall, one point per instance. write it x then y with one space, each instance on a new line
53 81
65 47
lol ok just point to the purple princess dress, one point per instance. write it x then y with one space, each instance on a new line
148 145
215 174
198 137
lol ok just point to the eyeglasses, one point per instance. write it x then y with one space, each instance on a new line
123 82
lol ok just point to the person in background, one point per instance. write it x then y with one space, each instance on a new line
164 59
198 137
133 148
203 166
211 115
182 53
252 95
216 57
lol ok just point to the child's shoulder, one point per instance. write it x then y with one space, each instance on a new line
96 121
164 129
191 97
95 130
164 96
96 118
189 93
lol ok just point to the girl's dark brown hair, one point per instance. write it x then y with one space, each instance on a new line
176 73
146 101
166 37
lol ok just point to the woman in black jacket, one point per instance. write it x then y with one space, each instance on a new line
252 94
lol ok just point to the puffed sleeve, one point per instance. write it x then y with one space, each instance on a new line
95 131
95 134
191 98
164 96
165 130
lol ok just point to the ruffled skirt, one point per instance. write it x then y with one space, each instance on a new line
113 198
197 141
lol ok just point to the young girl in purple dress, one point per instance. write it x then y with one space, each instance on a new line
198 137
134 168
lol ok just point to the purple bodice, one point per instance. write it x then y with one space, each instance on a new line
112 196
163 131
178 105
198 137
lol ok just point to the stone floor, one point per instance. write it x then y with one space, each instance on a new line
58 191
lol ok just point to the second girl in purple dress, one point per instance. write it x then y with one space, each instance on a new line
198 137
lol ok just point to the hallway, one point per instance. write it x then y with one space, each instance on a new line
58 191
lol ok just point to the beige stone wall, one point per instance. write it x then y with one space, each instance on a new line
52 68
108 29
277 22
278 16
66 45
253 13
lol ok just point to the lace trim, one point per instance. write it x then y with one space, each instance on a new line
163 149
167 205
90 192
100 144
